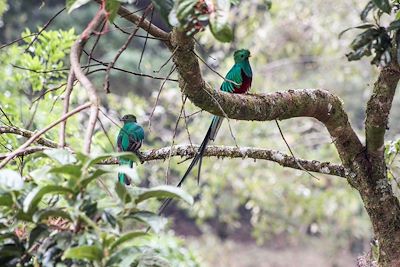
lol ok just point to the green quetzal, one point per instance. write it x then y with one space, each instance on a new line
237 81
130 138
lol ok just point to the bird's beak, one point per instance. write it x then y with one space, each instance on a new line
121 119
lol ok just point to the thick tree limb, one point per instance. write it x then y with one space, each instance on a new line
25 133
36 135
378 109
315 103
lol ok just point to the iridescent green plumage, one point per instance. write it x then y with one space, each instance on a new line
130 138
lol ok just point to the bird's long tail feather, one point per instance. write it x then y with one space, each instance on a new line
122 177
211 134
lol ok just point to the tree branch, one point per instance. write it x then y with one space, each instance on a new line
26 151
36 135
378 109
316 103
76 52
25 133
189 151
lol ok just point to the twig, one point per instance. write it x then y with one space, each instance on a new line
159 93
137 35
5 115
132 72
120 51
70 86
44 28
17 40
105 132
35 136
225 115
184 98
291 152
172 143
166 62
26 151
147 34
90 56
205 63
116 124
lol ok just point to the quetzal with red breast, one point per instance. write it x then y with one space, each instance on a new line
130 138
237 81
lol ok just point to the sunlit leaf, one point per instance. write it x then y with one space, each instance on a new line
96 174
126 237
156 222
69 169
91 253
219 21
33 198
122 193
74 4
165 191
63 156
11 180
112 7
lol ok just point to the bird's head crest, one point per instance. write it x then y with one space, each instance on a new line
241 55
129 118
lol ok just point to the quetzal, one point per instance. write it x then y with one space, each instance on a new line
130 138
237 81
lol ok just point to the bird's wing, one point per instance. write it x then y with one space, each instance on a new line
233 79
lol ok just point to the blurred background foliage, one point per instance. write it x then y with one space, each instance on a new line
294 44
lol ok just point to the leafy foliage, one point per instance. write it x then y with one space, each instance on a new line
61 218
377 40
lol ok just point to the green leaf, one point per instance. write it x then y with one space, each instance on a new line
219 21
97 173
69 169
222 33
370 6
156 222
383 5
39 231
364 26
74 4
63 156
165 191
41 215
395 25
163 7
6 199
112 7
122 193
91 253
33 198
11 180
126 237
